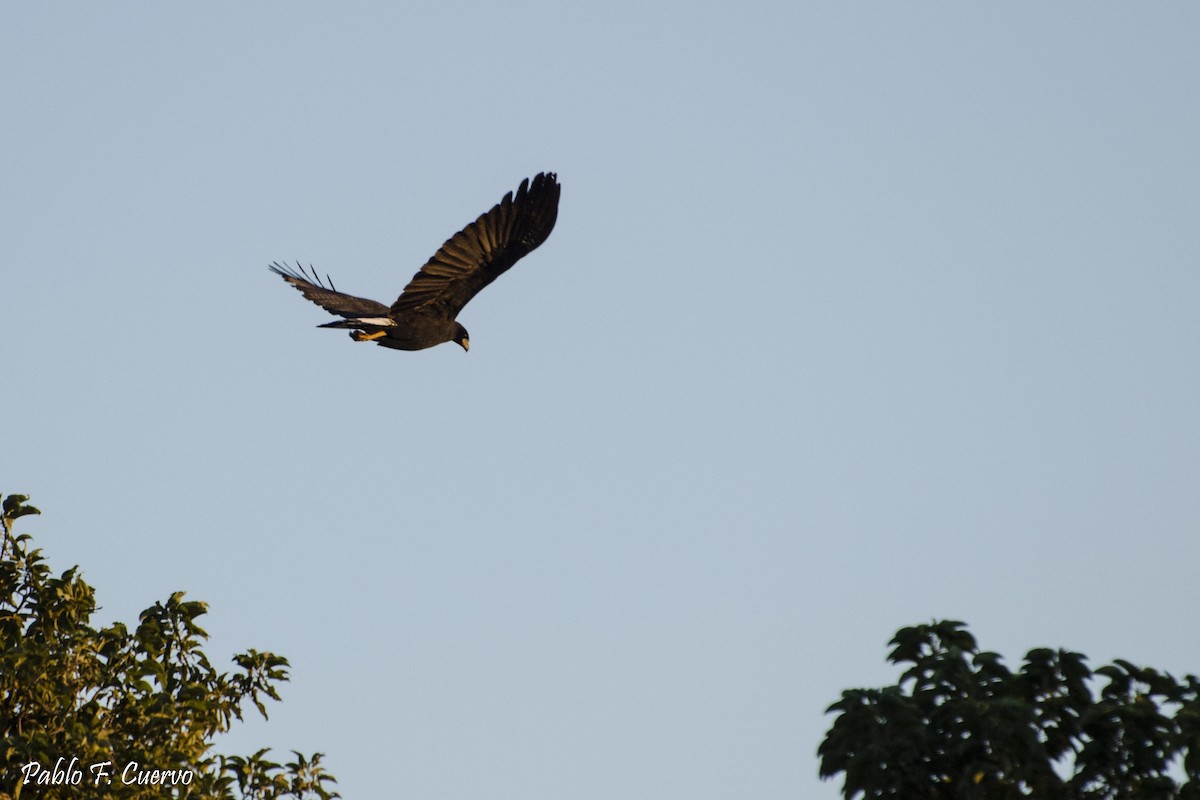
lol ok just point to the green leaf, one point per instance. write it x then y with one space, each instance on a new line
151 695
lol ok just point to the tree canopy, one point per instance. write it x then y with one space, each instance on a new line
89 712
960 724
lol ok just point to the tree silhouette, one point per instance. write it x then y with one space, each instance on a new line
959 724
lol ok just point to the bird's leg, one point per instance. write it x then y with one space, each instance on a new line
359 336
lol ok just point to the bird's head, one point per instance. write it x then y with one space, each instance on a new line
461 337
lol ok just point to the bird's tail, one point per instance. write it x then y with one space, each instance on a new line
361 323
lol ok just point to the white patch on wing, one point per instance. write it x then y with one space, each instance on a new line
381 321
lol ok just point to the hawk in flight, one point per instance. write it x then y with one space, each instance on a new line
425 313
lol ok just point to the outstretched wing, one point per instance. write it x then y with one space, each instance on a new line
484 250
327 297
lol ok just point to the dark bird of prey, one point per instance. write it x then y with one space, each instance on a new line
424 314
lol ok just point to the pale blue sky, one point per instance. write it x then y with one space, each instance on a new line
856 316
